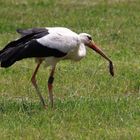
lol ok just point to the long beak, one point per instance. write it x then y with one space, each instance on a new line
99 51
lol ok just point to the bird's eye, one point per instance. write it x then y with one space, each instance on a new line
89 37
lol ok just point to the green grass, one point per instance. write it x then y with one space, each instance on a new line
89 103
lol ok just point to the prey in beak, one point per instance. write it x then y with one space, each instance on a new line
93 46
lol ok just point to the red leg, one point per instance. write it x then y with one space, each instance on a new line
33 80
50 85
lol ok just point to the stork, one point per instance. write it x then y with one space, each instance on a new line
49 44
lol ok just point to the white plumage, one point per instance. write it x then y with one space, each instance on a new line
62 39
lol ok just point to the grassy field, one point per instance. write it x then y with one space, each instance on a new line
89 103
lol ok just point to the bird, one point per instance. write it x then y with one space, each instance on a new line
49 44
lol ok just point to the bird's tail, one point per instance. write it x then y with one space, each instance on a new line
12 51
9 56
23 47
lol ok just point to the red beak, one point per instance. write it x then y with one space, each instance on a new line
99 51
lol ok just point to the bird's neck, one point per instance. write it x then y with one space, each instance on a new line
81 50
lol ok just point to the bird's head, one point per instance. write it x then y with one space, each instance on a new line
87 40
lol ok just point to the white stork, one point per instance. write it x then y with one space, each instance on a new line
51 44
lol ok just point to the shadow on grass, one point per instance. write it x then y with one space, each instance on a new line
20 106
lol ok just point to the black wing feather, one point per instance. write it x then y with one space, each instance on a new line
27 36
24 32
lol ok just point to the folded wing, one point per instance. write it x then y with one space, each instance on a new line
27 46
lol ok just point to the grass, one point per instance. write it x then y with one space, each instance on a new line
89 103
